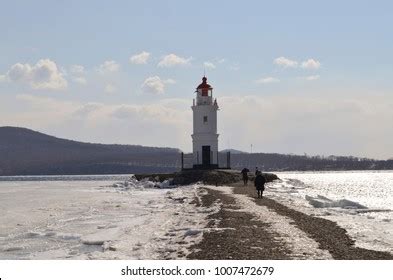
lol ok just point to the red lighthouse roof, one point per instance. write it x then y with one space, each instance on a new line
204 84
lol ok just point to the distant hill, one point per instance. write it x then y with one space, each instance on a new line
27 152
233 151
280 162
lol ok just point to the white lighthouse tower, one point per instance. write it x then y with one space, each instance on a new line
205 137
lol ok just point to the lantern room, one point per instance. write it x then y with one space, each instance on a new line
204 93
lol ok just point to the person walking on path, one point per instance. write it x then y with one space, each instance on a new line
260 183
245 175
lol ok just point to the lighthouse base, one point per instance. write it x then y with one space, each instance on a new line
205 166
223 162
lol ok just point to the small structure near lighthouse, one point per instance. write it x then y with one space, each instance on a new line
205 137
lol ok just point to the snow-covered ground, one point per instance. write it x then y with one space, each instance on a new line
361 202
98 220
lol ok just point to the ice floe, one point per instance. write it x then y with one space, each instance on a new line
323 202
133 184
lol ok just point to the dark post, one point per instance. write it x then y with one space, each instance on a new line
218 165
182 160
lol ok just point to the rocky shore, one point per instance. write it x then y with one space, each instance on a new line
217 177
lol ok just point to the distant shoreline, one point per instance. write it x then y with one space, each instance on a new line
171 174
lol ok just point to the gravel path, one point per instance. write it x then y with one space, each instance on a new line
241 235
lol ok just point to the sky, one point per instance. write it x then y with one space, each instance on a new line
301 77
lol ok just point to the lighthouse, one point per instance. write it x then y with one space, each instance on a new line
205 137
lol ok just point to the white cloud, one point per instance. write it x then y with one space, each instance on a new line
108 67
3 78
152 111
110 88
20 72
78 72
140 58
41 110
267 80
170 81
77 69
209 65
312 78
311 64
285 62
171 60
43 75
156 85
80 80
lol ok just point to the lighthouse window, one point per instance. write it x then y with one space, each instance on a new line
204 119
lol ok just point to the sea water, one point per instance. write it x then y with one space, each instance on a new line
361 202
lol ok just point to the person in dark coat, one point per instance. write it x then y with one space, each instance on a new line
260 184
245 175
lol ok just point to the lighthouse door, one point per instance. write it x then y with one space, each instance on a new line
206 155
